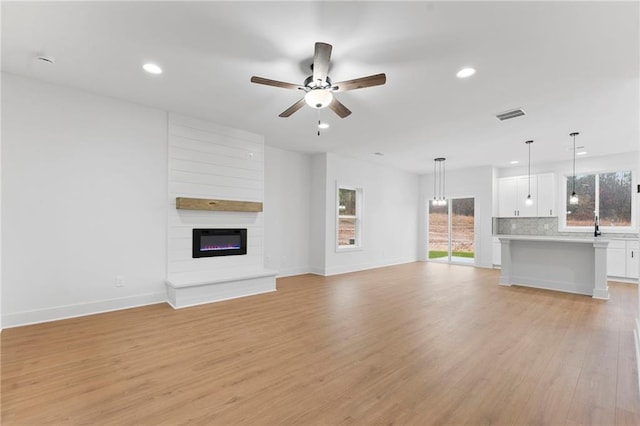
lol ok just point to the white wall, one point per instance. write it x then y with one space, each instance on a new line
83 200
0 215
389 220
476 183
318 240
210 161
637 320
287 211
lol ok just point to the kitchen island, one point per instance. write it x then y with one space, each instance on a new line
569 264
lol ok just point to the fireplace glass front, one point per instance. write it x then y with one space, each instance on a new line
219 242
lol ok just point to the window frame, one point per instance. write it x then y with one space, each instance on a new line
358 218
562 210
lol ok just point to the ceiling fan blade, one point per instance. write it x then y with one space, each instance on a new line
337 107
360 83
321 60
266 81
293 108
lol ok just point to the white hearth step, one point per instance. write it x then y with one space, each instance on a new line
196 288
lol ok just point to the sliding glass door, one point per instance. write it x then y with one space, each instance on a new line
451 231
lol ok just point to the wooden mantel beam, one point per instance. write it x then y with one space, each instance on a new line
184 203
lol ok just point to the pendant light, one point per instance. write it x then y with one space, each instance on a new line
574 197
439 198
529 200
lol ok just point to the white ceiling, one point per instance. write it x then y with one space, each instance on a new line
572 66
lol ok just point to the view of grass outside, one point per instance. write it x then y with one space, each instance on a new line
607 195
434 254
462 229
438 232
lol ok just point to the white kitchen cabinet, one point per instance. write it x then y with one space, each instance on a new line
617 258
622 259
547 195
512 196
632 259
497 252
507 196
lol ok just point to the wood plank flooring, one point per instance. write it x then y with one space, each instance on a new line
421 343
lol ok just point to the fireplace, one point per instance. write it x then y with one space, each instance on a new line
219 242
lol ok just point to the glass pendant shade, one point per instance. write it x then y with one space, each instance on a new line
573 199
318 98
529 201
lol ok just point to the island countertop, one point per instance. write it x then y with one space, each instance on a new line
554 238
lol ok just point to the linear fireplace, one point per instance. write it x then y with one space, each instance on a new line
219 242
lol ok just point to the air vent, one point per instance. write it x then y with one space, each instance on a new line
510 114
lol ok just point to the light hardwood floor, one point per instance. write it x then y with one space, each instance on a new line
421 343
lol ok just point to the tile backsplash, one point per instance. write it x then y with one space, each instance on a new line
540 226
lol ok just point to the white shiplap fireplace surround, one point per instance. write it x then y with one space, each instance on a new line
214 162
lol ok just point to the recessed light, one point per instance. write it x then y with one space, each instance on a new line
466 72
323 125
581 153
514 162
152 68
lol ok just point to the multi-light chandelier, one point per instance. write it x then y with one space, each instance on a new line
439 198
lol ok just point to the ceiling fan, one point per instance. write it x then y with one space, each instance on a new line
319 88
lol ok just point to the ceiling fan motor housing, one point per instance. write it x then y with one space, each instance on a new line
310 84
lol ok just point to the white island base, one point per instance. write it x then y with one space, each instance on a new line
573 265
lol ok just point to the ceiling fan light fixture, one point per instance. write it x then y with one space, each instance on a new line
319 88
318 98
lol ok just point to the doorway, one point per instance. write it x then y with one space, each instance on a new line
451 231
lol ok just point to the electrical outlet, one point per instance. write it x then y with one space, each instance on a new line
119 281
513 226
546 226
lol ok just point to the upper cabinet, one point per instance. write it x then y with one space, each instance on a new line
513 191
512 195
547 195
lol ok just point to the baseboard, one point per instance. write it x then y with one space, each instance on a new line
636 333
365 266
344 269
294 271
316 271
623 280
19 319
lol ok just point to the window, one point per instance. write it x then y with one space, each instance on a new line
349 213
606 195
